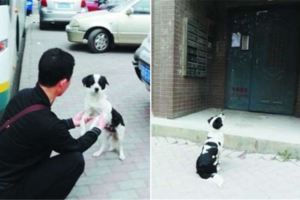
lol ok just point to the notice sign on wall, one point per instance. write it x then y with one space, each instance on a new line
195 53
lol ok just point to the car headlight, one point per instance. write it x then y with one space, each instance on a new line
74 23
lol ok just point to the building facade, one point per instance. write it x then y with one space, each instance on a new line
240 55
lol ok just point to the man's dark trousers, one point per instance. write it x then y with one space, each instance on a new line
53 178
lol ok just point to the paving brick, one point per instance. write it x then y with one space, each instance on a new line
80 191
139 174
98 171
104 189
128 194
142 193
132 184
89 180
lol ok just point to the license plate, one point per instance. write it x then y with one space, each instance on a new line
145 72
64 5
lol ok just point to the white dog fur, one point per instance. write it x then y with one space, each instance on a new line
95 104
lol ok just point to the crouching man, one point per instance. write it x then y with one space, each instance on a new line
30 131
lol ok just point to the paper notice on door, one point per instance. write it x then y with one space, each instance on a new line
236 39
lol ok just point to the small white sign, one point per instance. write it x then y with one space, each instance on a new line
236 39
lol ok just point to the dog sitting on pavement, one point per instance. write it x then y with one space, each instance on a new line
208 163
96 103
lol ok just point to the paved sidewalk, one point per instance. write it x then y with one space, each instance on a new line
251 176
105 177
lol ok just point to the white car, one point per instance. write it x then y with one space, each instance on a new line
128 23
53 11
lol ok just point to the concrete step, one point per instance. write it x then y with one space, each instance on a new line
243 131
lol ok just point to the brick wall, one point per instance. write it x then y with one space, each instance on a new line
190 94
162 57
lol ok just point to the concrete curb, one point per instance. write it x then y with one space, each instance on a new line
240 143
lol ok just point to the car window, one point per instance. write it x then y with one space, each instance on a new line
121 6
142 7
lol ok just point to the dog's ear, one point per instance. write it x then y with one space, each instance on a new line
103 82
88 80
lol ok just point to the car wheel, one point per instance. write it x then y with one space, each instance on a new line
99 41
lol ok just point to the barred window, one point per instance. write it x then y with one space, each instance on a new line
195 53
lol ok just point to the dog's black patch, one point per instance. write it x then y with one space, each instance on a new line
218 123
209 119
115 121
88 81
102 82
205 163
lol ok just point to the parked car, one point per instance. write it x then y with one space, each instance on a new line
141 62
109 4
92 5
29 5
53 11
126 24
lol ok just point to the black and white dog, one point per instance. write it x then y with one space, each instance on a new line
96 103
208 162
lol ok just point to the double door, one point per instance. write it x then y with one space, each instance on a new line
263 60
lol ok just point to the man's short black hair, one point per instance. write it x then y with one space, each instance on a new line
55 65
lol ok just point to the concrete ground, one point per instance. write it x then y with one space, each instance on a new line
246 176
254 132
105 177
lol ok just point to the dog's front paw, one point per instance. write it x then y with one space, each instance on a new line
218 168
122 157
97 153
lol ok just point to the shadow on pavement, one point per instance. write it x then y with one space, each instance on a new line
55 27
116 49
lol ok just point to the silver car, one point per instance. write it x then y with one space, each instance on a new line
125 24
52 11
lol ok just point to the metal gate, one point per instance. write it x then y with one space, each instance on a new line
263 58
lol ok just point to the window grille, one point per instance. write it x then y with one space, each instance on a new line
195 48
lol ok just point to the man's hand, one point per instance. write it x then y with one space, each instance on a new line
78 117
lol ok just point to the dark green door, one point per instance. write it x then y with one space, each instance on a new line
240 61
274 73
270 61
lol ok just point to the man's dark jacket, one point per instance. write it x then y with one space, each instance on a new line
31 139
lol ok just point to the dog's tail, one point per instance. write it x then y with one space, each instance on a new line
217 179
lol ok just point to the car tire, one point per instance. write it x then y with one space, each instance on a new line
99 41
